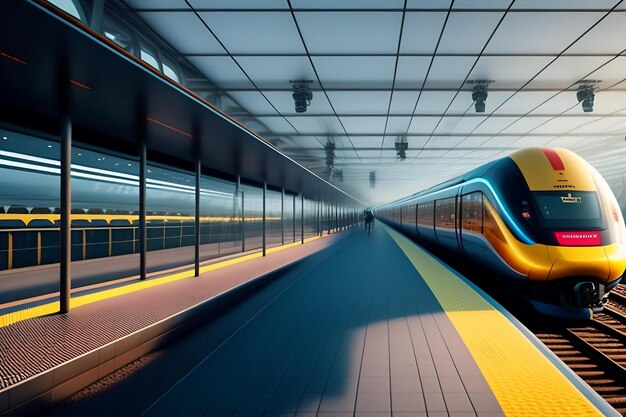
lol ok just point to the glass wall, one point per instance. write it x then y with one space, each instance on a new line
220 218
253 216
289 219
273 218
29 200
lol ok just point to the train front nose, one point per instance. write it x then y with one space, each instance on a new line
583 273
588 261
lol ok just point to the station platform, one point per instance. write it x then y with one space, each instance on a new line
363 326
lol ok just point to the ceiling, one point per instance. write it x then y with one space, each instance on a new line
383 70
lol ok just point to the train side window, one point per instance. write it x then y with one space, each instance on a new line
445 216
71 7
425 214
472 212
408 214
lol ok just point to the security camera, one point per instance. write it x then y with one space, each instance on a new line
302 95
480 97
586 97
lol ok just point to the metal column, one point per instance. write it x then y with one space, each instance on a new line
282 216
264 218
243 224
294 217
143 235
302 219
197 219
65 238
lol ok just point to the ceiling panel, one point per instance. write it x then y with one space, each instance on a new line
254 36
483 4
432 102
360 102
423 125
612 73
411 71
398 125
523 102
276 72
184 31
355 32
447 124
494 125
350 71
325 125
455 39
346 4
532 142
468 124
606 38
558 104
364 124
253 102
525 125
222 71
608 125
563 124
567 71
540 32
569 4
449 71
157 4
421 32
238 4
508 71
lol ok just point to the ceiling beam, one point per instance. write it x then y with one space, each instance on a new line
288 88
455 135
418 115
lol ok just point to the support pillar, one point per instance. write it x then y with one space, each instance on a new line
243 224
65 238
143 232
294 217
302 219
282 216
264 218
197 219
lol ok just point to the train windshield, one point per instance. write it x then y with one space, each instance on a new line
569 210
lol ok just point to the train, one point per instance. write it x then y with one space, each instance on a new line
542 220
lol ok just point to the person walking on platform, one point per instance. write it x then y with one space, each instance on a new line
368 216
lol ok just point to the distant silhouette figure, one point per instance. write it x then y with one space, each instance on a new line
368 216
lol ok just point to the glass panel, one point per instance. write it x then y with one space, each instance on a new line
170 214
425 214
253 212
29 201
569 209
120 39
472 212
220 218
444 214
105 200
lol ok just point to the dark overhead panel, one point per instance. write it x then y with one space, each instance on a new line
112 93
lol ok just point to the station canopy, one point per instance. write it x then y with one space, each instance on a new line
397 86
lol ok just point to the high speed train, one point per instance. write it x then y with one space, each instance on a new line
541 218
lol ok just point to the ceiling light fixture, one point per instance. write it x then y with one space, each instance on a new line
329 150
302 94
479 96
585 94
401 147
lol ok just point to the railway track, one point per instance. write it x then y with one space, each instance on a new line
595 350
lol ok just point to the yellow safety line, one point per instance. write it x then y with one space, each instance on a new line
51 308
522 379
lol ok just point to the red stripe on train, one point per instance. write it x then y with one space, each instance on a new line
555 159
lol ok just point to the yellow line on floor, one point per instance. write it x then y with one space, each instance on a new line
524 382
81 300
